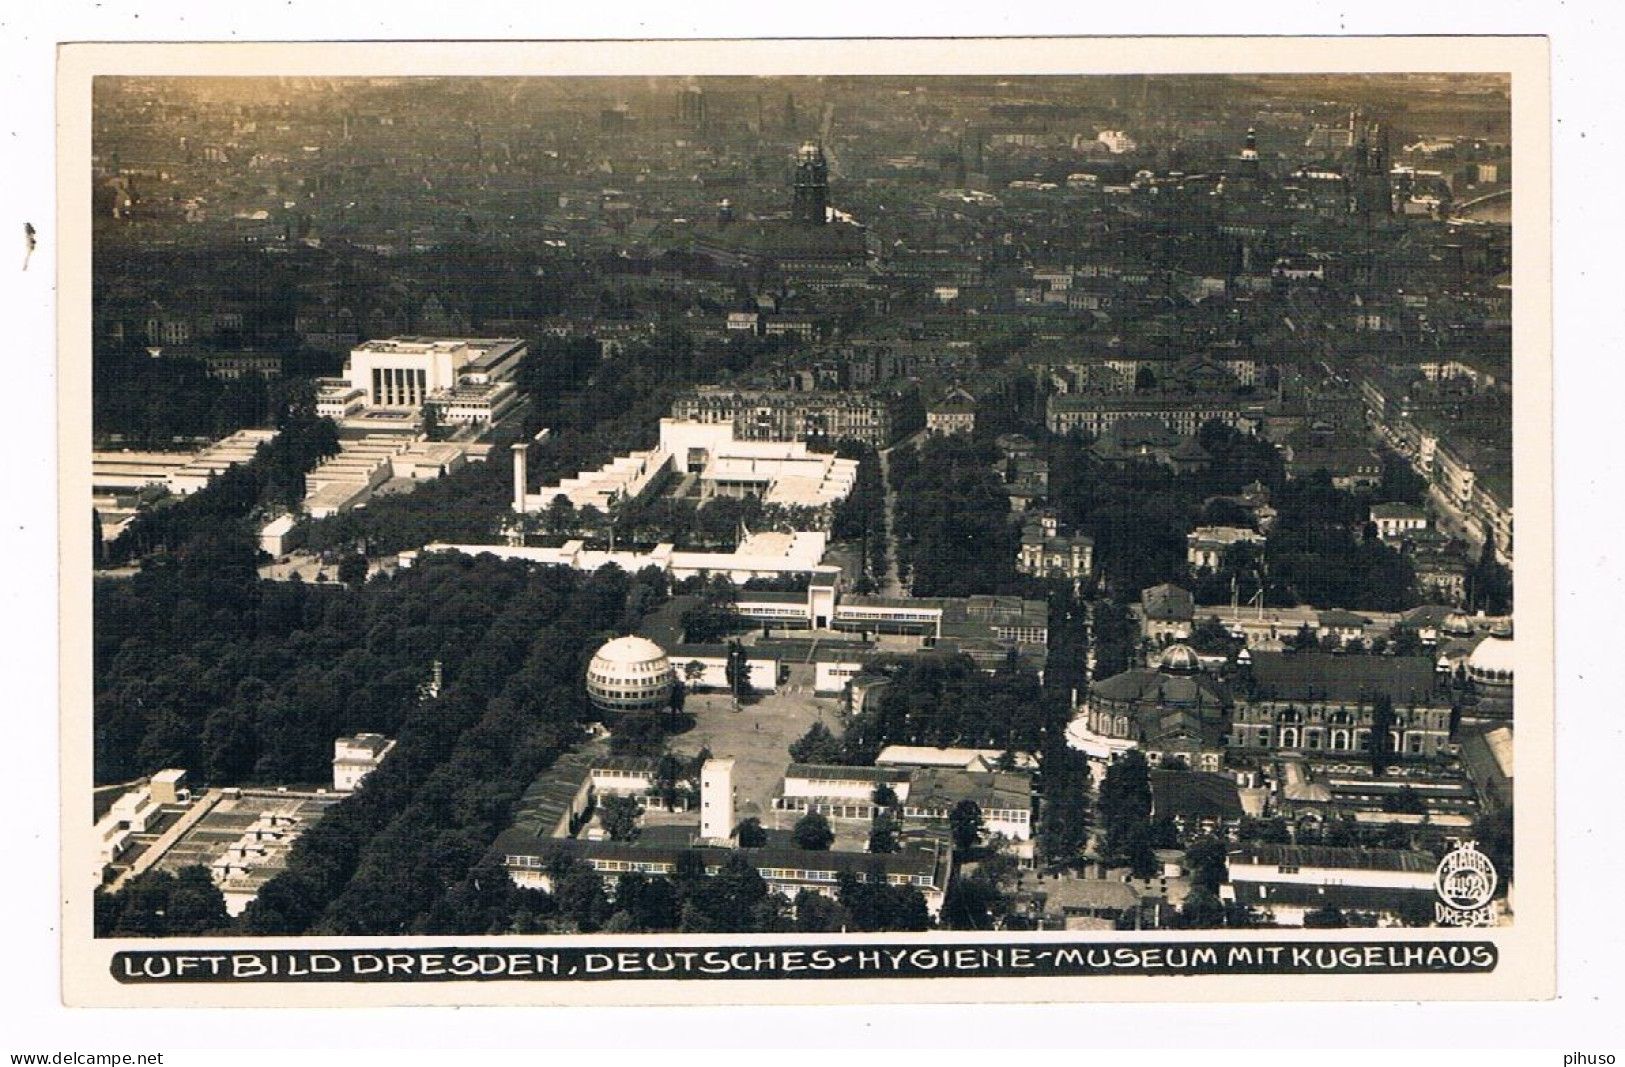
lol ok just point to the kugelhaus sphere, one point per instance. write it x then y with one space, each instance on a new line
630 674
1493 660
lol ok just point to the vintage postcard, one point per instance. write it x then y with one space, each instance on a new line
806 521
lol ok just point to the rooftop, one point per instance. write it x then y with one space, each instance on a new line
1168 602
824 772
1194 795
944 787
1344 897
1326 856
964 758
908 863
1317 676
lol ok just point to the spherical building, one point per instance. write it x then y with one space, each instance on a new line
630 674
1492 661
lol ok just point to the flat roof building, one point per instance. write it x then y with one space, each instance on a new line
466 379
529 861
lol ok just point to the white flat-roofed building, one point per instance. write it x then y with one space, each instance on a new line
474 404
833 676
785 473
243 836
111 471
203 467
759 555
337 399
623 776
838 792
344 480
1116 141
1008 620
706 667
965 759
135 810
403 371
788 610
624 478
717 800
467 380
425 460
832 781
1394 521
356 757
1373 868
276 536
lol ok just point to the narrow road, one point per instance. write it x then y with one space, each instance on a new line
1451 521
891 583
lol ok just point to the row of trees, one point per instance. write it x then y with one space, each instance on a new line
242 682
861 518
952 520
943 699
309 665
1064 779
401 855
220 516
148 402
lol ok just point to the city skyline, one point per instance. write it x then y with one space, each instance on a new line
954 379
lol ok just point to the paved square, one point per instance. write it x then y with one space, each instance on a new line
758 737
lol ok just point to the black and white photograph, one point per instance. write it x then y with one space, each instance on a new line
576 526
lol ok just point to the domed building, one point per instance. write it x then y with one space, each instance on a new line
1457 624
1173 709
1490 668
1492 661
1266 703
630 674
1179 659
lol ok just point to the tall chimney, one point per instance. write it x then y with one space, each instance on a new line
519 450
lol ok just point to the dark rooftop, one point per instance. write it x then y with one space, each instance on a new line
1362 859
1323 676
824 772
1194 795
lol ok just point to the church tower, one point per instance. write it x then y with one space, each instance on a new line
1249 155
811 204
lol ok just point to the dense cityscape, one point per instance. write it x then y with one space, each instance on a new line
808 505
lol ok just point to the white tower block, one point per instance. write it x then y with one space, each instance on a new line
717 800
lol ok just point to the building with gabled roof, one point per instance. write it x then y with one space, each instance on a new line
1167 611
954 413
